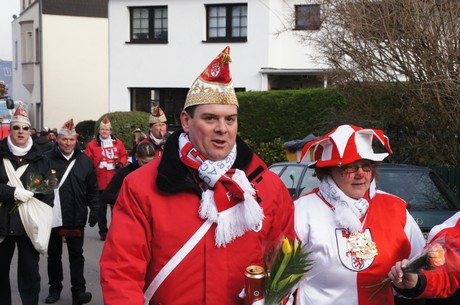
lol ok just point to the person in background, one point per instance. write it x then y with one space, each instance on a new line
33 134
354 232
441 282
108 153
43 143
76 193
209 197
52 136
18 151
136 138
144 154
158 131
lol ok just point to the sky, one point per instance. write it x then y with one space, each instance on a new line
8 8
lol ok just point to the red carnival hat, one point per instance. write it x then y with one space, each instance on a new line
20 115
68 129
157 116
214 85
105 123
344 145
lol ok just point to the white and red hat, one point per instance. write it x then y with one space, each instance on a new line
344 145
214 85
20 115
105 122
68 129
157 116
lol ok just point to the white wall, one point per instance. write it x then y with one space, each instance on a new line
30 98
75 69
181 60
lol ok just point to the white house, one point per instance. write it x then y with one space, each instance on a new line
83 58
157 48
60 60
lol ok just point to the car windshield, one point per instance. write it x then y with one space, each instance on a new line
415 187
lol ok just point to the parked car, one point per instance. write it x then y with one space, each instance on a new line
429 200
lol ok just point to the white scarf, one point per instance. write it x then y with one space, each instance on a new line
106 143
240 218
19 151
156 141
348 211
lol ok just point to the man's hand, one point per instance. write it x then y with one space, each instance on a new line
22 195
402 280
93 218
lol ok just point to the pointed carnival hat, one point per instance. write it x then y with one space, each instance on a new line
20 115
157 116
105 122
344 145
68 129
214 85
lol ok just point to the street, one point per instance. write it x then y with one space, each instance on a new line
92 252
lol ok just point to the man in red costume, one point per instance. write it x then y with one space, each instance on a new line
442 281
158 131
107 153
186 226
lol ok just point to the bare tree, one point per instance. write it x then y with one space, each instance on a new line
413 45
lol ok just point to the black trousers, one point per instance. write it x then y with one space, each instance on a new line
28 276
102 221
76 262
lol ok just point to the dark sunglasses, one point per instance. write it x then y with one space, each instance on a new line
17 127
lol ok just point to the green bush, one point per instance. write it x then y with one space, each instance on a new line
123 124
287 114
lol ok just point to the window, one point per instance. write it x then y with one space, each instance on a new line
227 22
29 48
149 24
308 17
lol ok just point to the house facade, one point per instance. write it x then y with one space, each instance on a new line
60 60
157 48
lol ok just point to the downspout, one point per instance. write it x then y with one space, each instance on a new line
40 29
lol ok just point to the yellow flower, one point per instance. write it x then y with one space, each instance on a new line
287 248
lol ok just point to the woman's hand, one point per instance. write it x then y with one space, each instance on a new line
401 279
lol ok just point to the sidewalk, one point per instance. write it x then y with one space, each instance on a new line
92 252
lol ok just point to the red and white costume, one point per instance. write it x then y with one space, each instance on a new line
339 279
104 159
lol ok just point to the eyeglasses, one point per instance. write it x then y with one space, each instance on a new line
351 169
17 127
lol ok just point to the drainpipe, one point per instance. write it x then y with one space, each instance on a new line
40 67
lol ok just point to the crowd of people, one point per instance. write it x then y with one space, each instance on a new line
191 210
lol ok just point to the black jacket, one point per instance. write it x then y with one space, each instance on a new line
10 223
110 193
79 191
44 144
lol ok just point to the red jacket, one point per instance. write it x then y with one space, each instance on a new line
443 281
150 225
94 152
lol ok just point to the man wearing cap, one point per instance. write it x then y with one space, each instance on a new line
200 215
354 231
77 191
107 153
19 157
158 130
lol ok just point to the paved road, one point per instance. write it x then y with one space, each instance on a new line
92 252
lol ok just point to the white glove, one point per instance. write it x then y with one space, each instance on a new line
22 195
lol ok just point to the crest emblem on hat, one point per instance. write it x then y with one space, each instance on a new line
349 260
215 70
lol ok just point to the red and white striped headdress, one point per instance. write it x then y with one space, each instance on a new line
346 144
